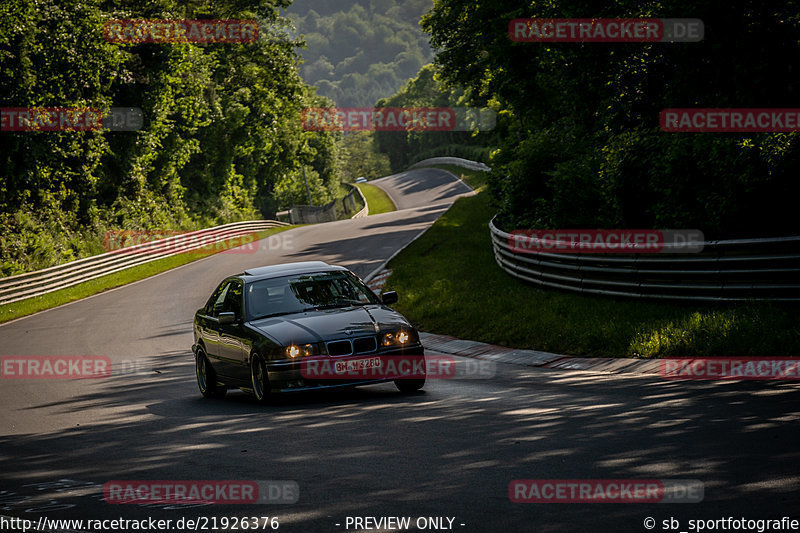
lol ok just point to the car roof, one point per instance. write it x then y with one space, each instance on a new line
286 269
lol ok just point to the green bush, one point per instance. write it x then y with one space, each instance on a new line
583 146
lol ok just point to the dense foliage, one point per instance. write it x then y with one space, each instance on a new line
426 91
361 50
359 156
585 148
221 140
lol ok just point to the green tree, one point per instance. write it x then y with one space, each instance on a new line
222 125
584 145
406 147
354 37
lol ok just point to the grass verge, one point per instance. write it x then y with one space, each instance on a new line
377 200
117 279
449 283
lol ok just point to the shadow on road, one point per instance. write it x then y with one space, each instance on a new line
406 454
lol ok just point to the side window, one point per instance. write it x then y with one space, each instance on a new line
217 300
233 299
208 309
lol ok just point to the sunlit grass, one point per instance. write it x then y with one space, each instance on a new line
449 283
377 200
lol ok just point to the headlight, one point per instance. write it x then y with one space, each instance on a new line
398 338
303 350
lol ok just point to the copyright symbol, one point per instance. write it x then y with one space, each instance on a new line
649 522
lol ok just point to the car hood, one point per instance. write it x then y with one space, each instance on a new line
330 324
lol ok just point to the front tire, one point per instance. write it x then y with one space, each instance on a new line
207 378
259 379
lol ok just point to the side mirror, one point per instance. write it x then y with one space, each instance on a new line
388 298
227 317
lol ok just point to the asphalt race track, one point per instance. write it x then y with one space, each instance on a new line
444 457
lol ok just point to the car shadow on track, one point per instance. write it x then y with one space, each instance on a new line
453 448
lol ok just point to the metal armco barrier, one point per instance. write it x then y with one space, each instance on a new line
364 210
316 214
765 269
457 161
30 284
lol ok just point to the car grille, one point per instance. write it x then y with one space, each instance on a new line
365 345
354 346
340 348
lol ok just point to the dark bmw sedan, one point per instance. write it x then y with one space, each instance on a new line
302 326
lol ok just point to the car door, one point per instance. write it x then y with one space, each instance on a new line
208 324
233 338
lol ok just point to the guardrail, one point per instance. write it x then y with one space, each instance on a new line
730 270
365 210
315 214
458 161
31 284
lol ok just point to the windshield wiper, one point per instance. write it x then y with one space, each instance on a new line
321 307
277 314
334 306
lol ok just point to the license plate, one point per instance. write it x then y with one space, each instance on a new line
357 365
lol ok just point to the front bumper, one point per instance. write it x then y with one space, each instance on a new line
318 372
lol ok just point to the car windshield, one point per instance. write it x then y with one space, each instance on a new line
304 292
